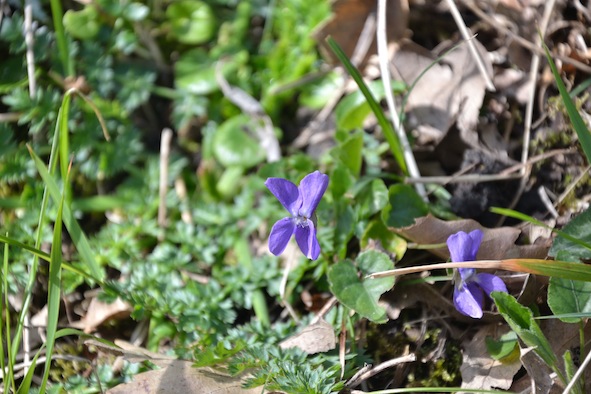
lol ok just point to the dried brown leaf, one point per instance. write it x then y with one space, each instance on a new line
180 377
539 373
348 21
497 243
98 312
479 370
316 338
451 91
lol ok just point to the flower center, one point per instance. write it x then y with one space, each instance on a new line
462 279
301 221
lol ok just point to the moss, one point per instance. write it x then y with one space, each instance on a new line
441 371
64 368
387 342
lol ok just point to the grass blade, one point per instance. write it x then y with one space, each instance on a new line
12 242
373 104
54 289
60 36
576 119
69 220
8 361
526 218
28 378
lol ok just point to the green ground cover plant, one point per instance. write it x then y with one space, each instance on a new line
163 225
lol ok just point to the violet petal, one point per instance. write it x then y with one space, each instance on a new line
464 247
306 239
468 300
280 235
490 283
312 187
286 192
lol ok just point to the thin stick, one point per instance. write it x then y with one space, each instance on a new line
495 264
368 373
325 309
455 13
181 190
30 56
409 158
504 175
29 41
546 201
9 117
165 141
533 74
474 178
572 185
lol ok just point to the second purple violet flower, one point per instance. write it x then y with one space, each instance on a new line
470 286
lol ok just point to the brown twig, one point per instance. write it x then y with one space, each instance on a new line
165 142
468 37
367 371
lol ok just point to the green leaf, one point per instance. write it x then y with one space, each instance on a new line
233 147
372 198
82 24
12 74
192 22
570 370
405 205
352 110
521 320
391 242
349 152
505 348
194 71
359 294
578 228
569 296
340 180
136 12
554 268
317 95
344 228
227 184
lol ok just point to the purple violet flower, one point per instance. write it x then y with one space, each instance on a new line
469 286
300 202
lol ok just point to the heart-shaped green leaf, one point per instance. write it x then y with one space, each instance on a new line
82 24
233 147
569 296
579 229
405 206
372 198
192 22
359 294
